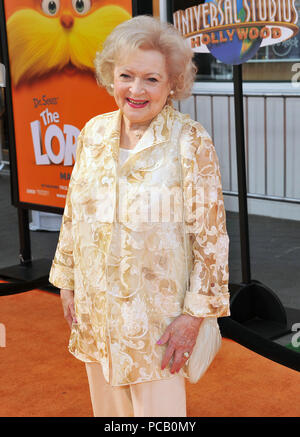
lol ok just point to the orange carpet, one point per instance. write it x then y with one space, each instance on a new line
40 378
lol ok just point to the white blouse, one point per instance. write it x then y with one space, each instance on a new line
124 154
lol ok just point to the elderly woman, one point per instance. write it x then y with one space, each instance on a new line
143 248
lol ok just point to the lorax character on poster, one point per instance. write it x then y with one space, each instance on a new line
52 45
58 35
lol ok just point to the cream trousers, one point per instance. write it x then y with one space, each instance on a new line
162 398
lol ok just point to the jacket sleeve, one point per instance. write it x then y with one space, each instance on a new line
61 272
205 224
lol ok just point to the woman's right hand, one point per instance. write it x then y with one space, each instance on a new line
67 299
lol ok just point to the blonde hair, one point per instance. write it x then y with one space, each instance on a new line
146 32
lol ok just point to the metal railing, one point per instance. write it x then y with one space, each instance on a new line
272 140
2 110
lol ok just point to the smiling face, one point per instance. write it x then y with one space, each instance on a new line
141 85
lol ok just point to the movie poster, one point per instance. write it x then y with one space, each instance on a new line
52 46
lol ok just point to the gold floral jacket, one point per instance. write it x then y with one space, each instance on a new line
142 242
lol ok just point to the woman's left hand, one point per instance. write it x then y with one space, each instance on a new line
181 336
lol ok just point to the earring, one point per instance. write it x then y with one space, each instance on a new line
171 93
112 85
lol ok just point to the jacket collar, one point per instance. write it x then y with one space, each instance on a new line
158 131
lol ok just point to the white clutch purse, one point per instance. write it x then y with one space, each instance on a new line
207 346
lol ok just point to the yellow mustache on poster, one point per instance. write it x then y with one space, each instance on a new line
39 45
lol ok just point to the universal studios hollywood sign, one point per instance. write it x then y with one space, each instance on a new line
233 30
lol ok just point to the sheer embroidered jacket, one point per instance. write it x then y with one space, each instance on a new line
142 242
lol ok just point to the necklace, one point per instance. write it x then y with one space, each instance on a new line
139 135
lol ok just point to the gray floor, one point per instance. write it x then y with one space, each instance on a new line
274 248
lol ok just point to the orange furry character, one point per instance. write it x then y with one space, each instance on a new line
53 35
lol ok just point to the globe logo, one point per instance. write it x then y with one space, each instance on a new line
241 48
233 30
